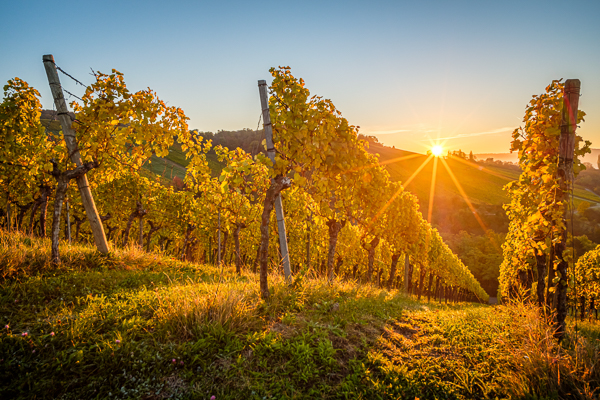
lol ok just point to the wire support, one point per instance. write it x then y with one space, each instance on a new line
280 100
255 150
69 75
71 94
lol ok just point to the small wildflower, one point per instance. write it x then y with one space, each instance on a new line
117 341
51 333
181 362
174 361
33 351
6 326
24 334
212 397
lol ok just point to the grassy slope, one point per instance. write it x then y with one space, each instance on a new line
136 325
482 184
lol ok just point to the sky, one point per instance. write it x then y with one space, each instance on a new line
409 72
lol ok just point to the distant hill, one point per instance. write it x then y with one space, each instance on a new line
451 213
482 184
506 157
592 158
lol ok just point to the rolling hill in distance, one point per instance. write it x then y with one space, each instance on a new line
592 157
482 183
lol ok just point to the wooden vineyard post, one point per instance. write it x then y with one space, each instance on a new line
68 222
8 216
8 221
262 88
308 221
406 267
69 134
219 239
565 176
141 232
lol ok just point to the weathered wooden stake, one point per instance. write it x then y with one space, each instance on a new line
141 232
8 221
308 221
219 240
69 134
565 177
262 87
406 274
68 222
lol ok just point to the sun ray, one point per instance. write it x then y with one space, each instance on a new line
392 160
481 168
469 204
432 189
414 175
404 186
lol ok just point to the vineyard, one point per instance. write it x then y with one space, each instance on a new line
336 196
181 269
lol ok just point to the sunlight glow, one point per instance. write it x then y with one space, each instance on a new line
432 189
469 204
405 185
437 150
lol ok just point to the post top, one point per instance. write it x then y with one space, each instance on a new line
572 83
48 57
262 82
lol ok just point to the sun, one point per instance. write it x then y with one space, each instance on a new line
437 150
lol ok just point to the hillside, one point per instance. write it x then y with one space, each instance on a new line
133 325
591 158
482 183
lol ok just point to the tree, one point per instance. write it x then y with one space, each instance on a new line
27 151
582 208
240 183
536 209
402 228
373 194
309 138
116 131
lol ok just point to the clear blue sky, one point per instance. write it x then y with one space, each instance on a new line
406 71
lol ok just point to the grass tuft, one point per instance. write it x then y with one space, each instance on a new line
565 370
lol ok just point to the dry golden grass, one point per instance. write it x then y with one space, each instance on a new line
569 370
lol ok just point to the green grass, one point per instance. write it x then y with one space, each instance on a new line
479 185
177 155
163 168
175 164
483 184
145 326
